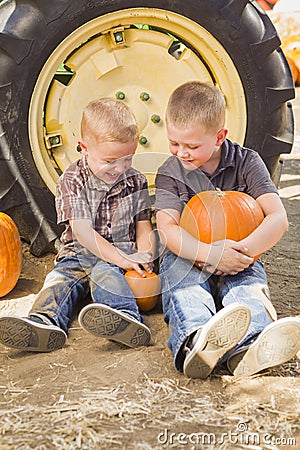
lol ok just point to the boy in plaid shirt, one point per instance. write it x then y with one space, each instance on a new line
104 204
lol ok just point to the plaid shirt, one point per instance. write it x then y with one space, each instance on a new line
113 210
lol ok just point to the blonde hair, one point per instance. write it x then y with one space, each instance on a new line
108 119
195 103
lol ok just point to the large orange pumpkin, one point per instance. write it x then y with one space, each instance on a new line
215 215
146 290
10 254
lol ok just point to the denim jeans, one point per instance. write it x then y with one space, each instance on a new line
190 297
73 278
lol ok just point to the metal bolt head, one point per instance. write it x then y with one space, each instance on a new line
144 96
155 118
54 140
120 95
119 37
143 140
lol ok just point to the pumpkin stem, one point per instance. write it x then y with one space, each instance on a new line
220 193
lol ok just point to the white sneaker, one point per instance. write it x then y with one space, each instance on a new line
276 344
220 334
26 334
113 324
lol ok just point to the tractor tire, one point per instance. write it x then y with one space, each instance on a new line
56 56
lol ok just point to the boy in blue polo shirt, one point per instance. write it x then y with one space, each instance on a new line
244 332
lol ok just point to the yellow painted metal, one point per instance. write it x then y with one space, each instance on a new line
141 63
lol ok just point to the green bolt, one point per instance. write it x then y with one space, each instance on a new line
120 95
144 96
155 118
143 140
54 140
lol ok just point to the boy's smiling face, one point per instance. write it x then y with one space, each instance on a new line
108 160
195 146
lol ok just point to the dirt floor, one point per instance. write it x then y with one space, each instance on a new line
95 394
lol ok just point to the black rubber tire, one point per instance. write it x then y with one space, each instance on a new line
35 28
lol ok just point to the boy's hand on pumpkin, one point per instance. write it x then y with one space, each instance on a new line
135 260
227 257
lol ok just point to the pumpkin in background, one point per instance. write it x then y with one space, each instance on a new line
216 215
291 49
286 18
146 290
10 254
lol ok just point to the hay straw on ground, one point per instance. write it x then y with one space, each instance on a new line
114 418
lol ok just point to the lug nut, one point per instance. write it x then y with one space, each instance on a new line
54 140
155 118
144 96
143 140
119 37
120 95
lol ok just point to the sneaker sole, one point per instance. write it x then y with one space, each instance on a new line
22 333
222 333
109 323
277 343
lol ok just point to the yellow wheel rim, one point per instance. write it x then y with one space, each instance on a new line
130 54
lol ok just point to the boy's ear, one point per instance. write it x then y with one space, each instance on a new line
221 136
83 147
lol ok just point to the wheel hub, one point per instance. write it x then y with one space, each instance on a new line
138 64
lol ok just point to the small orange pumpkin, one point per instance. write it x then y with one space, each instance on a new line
10 254
146 290
216 215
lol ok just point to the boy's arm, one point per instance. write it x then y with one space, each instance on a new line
145 237
272 228
178 240
99 246
224 256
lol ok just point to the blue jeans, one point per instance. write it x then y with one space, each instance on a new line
73 279
190 298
